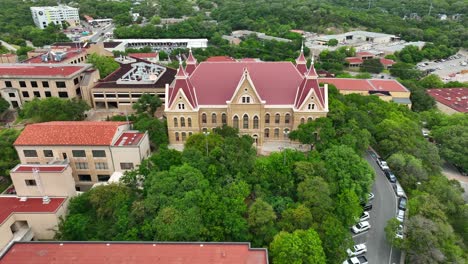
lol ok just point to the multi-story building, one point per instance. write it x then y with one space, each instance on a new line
95 150
450 100
155 44
125 86
263 99
21 82
44 15
134 253
43 193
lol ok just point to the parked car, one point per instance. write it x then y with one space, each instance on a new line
399 232
383 164
402 203
361 227
356 260
390 176
357 250
398 190
401 216
365 216
366 207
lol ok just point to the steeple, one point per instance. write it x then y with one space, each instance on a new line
301 62
181 74
191 63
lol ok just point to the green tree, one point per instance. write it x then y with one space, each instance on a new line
405 71
156 128
347 207
296 218
54 109
372 65
390 233
431 81
302 246
317 133
8 155
453 144
314 192
147 104
261 221
105 65
4 105
332 42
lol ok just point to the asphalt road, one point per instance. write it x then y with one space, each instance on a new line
384 208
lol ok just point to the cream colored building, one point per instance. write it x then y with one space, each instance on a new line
265 100
43 193
95 150
20 82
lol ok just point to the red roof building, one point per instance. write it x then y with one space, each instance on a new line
39 70
12 205
134 253
365 55
451 100
151 57
354 61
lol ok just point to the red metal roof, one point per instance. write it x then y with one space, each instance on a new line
220 59
301 58
190 68
75 133
365 85
191 59
276 82
387 62
302 68
455 98
129 139
41 168
354 60
364 54
133 253
11 205
71 53
143 55
45 70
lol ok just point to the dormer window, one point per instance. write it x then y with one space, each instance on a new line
311 106
181 106
246 99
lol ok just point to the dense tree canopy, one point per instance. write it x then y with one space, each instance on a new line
105 65
54 109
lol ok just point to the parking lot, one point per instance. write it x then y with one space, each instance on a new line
447 69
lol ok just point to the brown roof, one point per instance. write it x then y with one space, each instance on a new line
133 253
73 133
455 98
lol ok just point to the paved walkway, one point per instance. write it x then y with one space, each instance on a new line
452 173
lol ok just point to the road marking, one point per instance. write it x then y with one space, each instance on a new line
390 258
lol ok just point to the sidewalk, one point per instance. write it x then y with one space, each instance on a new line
453 174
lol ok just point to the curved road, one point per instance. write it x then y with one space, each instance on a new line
384 208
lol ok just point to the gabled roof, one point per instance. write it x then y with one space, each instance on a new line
364 54
190 68
182 83
275 82
354 60
43 70
134 253
387 62
309 83
71 133
190 58
301 59
302 68
349 84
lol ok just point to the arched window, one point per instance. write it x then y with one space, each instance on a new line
287 118
267 132
184 136
182 122
213 118
302 120
181 106
311 106
224 119
175 122
286 133
267 119
189 122
177 136
245 123
276 132
235 122
277 118
205 130
309 119
255 122
246 99
203 118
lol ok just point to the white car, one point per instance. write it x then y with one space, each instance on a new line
383 165
370 196
357 250
365 216
361 227
401 215
399 233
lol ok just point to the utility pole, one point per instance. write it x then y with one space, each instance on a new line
430 9
370 3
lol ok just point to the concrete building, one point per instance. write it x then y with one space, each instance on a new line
450 100
125 86
44 15
21 82
387 90
155 44
134 253
357 37
58 54
94 149
260 35
43 193
265 100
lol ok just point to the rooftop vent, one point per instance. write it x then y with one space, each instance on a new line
45 200
23 199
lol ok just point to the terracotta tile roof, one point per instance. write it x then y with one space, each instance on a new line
133 253
354 60
11 205
276 82
45 70
455 98
220 59
387 62
143 55
74 133
349 84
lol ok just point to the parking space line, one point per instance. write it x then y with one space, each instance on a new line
365 232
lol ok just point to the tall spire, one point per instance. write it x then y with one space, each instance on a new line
301 59
190 58
181 72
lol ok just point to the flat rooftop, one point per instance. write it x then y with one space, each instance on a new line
41 70
39 167
133 253
455 98
71 53
129 139
11 205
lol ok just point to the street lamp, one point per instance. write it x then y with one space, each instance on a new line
206 133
